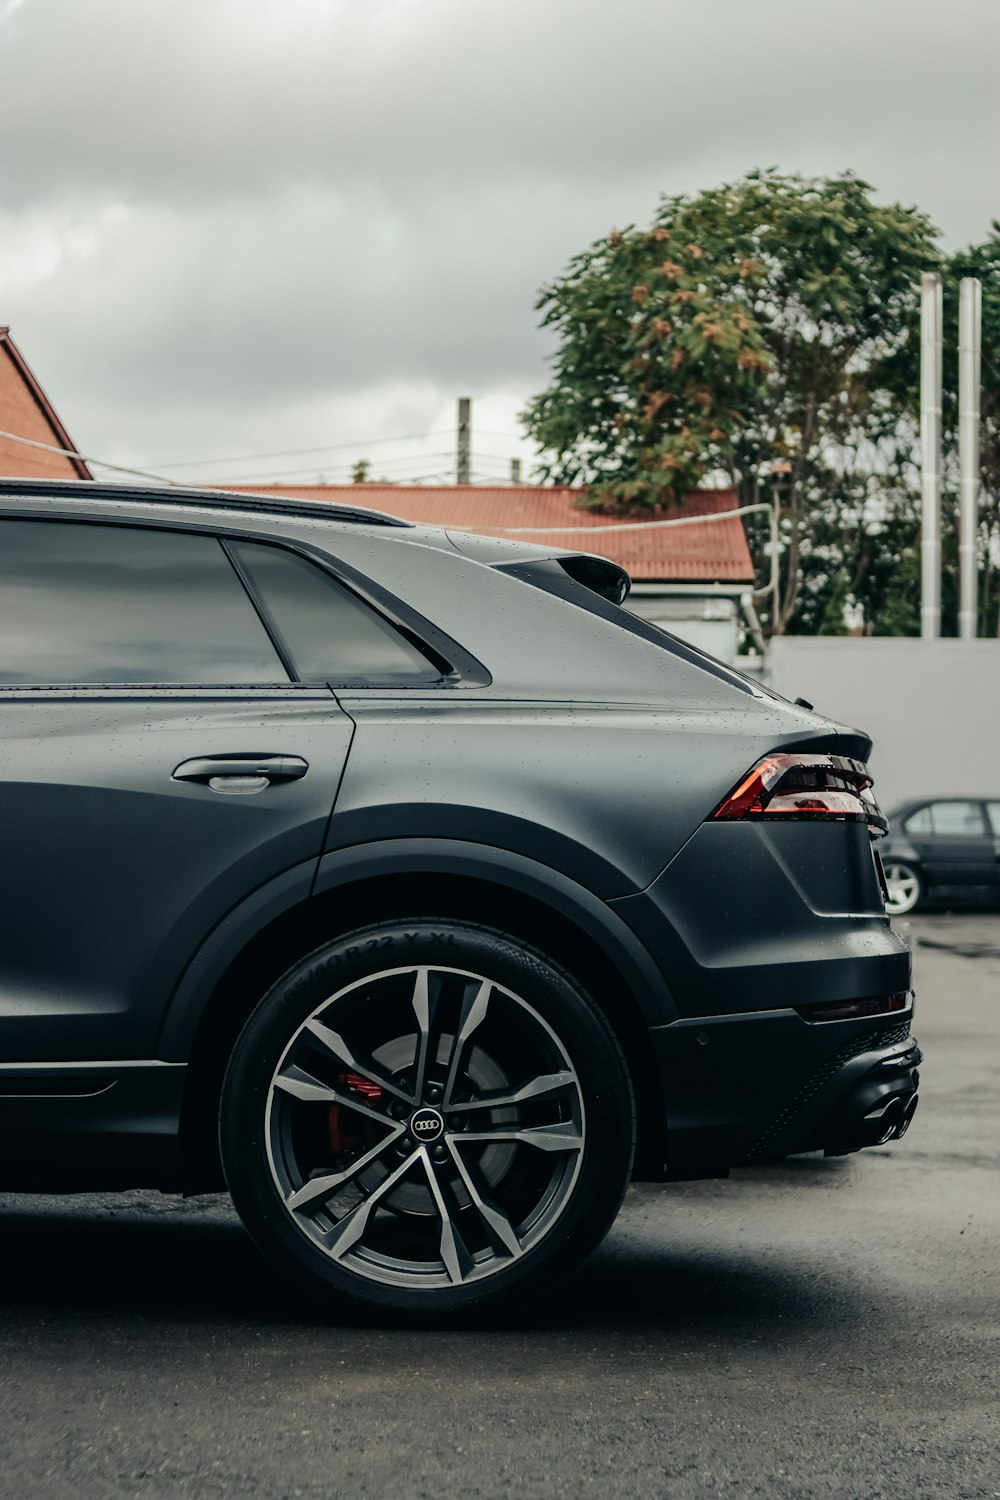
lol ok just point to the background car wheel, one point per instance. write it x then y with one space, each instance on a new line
427 1116
904 886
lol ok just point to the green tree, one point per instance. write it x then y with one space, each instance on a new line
768 321
659 360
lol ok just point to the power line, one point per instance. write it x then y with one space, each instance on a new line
404 460
85 458
276 475
443 477
239 458
360 443
102 463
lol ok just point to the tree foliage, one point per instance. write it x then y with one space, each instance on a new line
659 358
766 326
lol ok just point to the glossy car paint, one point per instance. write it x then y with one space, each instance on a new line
562 773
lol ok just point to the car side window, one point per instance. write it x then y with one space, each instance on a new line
328 633
956 820
993 813
92 603
919 822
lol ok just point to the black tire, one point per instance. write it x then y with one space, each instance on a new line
906 887
512 1195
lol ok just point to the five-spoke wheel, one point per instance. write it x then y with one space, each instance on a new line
420 1131
904 887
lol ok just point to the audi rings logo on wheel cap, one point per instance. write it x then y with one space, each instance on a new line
427 1125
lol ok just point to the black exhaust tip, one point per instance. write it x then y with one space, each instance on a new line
908 1112
875 1112
883 1123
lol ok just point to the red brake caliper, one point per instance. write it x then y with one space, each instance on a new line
344 1139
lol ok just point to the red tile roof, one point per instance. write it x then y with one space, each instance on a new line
716 552
27 412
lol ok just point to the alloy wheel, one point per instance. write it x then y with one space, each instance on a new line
425 1127
903 885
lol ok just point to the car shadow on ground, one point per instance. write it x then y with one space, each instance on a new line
203 1270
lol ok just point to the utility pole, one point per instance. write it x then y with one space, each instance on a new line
970 318
515 471
930 454
463 451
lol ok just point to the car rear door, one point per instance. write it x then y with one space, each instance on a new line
950 838
160 763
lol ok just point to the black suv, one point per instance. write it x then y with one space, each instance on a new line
404 882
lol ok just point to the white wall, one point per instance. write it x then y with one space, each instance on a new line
707 621
932 708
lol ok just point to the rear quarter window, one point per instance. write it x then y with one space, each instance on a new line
328 633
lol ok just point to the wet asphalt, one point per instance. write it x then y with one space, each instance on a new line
823 1328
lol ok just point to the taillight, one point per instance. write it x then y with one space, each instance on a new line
812 787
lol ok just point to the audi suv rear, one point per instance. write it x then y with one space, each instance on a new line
404 883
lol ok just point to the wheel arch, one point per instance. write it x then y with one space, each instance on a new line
535 904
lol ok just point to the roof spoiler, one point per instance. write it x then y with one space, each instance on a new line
603 578
599 575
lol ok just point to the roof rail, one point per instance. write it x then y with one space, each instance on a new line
180 496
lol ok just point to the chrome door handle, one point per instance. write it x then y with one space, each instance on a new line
213 767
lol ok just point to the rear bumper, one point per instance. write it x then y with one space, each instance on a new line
758 1087
763 917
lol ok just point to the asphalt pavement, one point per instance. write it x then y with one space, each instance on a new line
823 1328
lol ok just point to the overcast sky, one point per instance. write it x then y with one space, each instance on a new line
234 227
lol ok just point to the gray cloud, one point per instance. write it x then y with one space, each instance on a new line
270 222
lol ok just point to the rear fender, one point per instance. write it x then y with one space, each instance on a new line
412 857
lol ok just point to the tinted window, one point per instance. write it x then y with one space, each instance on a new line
85 603
330 634
993 813
953 820
919 822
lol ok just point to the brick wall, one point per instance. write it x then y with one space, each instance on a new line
20 413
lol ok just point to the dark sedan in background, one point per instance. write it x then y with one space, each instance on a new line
943 851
